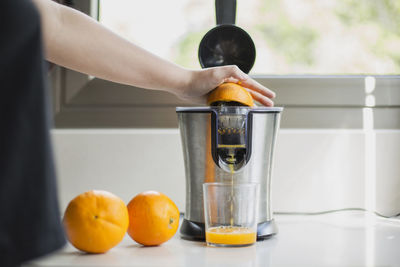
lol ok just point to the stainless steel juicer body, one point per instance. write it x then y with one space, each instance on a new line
201 131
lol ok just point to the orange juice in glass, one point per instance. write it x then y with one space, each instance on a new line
230 212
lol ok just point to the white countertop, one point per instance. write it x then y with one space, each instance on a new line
346 238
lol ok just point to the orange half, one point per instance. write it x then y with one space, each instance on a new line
228 92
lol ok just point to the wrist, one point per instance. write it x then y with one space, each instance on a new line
184 82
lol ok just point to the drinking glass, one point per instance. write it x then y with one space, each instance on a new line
230 213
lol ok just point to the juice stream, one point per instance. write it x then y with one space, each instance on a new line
232 171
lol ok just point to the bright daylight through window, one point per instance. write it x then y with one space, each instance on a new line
291 36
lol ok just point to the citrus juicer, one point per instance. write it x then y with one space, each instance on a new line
229 144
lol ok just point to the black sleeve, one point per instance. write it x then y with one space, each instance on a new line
29 213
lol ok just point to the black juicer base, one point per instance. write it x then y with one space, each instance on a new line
195 231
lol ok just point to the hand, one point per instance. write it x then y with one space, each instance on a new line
203 81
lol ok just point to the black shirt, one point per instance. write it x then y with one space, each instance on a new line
29 214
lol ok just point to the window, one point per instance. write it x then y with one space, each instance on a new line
291 36
328 61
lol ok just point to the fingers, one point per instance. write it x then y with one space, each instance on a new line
261 98
230 73
232 80
234 74
257 87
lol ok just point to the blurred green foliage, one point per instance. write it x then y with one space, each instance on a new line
385 14
295 42
186 54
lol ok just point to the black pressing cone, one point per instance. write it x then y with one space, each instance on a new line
227 45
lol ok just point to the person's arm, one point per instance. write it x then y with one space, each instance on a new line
78 42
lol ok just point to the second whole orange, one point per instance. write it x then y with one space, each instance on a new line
153 218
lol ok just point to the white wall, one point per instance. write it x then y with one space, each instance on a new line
314 170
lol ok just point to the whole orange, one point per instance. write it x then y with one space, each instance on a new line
153 218
96 221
